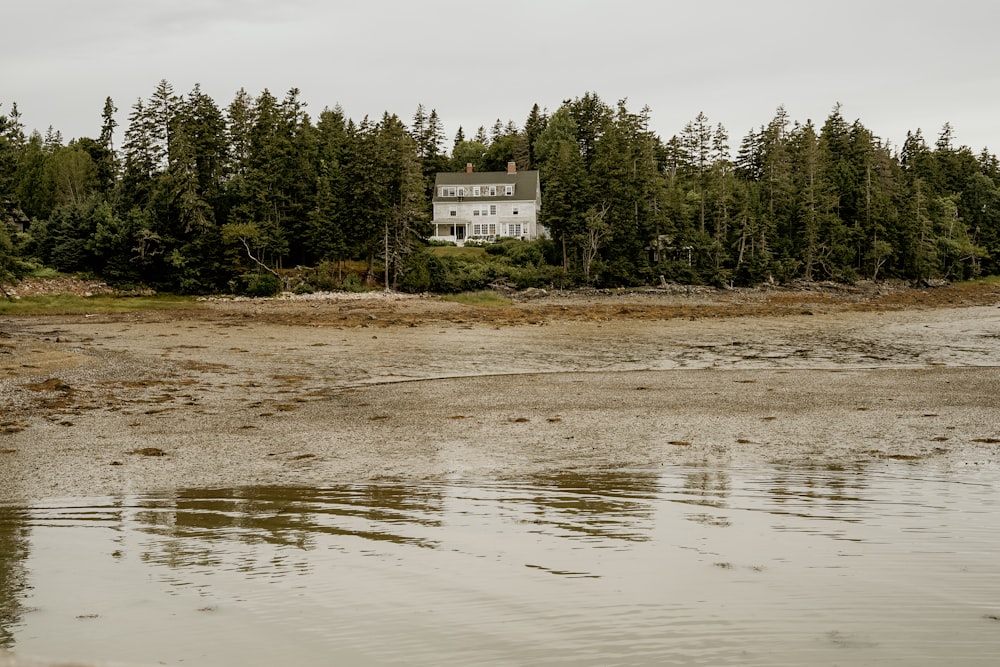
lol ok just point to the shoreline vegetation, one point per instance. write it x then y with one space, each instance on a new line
74 295
196 198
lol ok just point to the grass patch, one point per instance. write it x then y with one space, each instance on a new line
456 251
483 299
68 304
44 272
993 281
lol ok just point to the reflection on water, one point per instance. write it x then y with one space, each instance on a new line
13 575
613 505
196 521
702 565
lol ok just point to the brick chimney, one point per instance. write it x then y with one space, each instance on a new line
511 167
468 167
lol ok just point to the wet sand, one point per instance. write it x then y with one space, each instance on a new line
342 390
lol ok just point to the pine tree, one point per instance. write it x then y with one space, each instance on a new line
777 189
255 223
8 156
418 127
107 165
533 128
326 233
696 143
565 181
141 159
721 188
814 235
398 166
240 118
162 108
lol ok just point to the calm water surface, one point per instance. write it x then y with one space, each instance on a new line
772 565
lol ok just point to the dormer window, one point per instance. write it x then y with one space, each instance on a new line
476 190
509 190
493 191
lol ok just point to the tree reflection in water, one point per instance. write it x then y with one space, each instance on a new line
708 487
196 521
13 573
617 505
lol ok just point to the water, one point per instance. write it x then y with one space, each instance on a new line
702 565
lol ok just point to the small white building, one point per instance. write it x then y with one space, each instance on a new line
487 205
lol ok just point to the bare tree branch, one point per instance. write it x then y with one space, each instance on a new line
259 263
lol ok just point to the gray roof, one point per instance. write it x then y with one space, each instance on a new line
526 184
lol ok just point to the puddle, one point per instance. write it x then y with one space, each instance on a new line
769 565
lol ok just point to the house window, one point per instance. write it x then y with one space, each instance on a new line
476 190
493 228
493 209
475 212
513 211
509 190
461 192
514 229
452 211
493 191
447 192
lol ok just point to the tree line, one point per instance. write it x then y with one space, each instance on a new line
197 198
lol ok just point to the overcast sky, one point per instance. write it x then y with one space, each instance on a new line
896 65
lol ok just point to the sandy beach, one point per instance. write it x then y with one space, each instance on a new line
338 388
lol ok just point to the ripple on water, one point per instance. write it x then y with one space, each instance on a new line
781 564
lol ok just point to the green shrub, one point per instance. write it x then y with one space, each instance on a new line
523 277
352 283
417 272
322 277
263 284
496 249
43 272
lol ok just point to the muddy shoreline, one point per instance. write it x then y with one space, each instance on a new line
387 386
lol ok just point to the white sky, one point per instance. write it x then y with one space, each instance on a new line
896 65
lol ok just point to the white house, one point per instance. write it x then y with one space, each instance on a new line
487 205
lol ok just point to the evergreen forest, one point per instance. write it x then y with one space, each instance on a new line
193 197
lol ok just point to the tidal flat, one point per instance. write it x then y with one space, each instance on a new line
484 487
